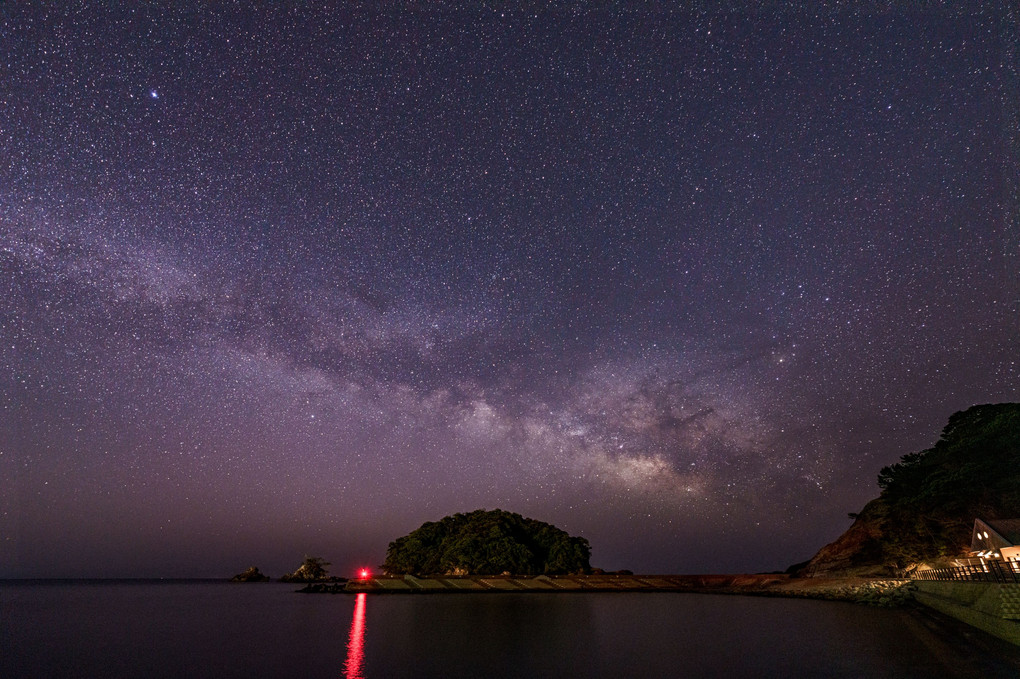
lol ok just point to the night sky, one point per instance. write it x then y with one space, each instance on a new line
290 281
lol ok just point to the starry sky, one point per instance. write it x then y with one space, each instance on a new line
293 280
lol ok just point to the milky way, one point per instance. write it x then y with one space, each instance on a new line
290 281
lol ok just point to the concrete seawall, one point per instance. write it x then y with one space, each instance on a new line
989 606
545 583
558 583
861 590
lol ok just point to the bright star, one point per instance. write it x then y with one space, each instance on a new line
154 94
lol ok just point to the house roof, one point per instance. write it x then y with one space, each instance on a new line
1007 528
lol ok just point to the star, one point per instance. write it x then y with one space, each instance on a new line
596 268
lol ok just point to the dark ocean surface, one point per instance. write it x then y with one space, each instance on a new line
149 629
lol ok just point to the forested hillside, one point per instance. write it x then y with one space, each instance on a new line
929 500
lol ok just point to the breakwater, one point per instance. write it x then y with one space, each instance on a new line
449 584
861 590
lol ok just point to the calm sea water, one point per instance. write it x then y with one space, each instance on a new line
177 629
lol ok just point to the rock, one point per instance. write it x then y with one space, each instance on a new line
313 569
253 574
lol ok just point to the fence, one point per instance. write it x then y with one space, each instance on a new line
989 571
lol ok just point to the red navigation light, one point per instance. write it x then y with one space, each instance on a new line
363 573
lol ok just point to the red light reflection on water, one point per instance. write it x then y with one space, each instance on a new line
356 641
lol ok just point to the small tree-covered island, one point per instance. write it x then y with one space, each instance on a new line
487 543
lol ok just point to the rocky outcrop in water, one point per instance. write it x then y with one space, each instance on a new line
311 570
253 574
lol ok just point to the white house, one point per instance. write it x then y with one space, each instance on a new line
997 540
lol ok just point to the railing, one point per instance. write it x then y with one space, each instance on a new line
989 571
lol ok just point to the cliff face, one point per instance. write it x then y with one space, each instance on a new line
858 551
929 500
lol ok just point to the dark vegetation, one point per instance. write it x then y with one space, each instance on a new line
488 543
929 499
